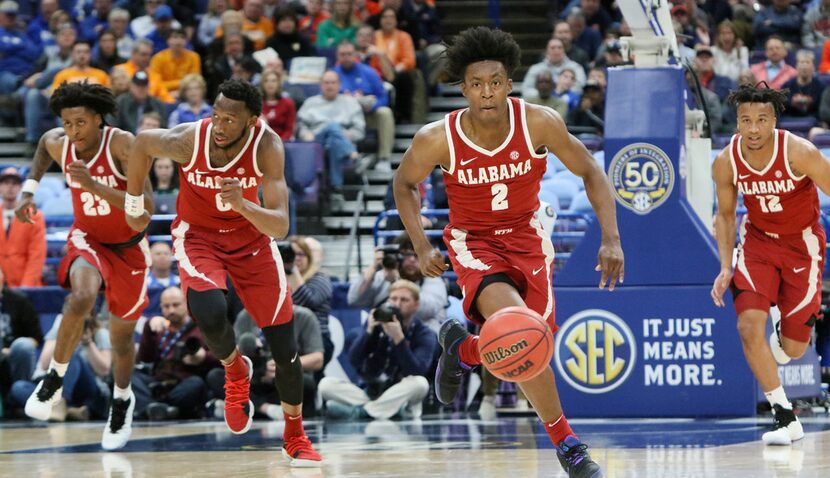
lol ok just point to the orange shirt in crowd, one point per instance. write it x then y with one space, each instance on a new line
23 252
398 47
257 32
172 69
72 74
156 85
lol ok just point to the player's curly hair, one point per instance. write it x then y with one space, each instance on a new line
238 90
93 96
481 44
759 93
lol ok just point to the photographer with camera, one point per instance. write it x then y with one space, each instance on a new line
171 363
399 261
392 356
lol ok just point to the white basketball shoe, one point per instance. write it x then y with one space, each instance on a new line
47 393
785 428
119 424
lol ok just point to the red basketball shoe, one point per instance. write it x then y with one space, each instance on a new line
300 454
239 410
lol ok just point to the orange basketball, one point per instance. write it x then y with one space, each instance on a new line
516 344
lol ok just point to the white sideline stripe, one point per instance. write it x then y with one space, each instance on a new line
181 254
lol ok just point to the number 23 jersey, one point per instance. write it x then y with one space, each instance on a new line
493 189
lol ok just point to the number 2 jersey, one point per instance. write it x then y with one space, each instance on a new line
493 189
95 216
776 200
199 202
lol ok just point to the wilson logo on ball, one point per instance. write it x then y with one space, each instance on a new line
516 344
502 353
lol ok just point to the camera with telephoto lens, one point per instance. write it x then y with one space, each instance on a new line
190 346
391 256
287 254
387 313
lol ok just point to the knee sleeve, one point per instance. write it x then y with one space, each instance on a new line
289 376
210 310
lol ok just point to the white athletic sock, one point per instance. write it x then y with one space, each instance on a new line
778 397
121 393
60 368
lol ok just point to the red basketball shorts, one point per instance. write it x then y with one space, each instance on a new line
207 257
524 254
783 271
122 269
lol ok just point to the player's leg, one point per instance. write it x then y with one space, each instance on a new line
118 429
85 283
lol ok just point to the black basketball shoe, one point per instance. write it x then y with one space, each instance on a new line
450 369
574 458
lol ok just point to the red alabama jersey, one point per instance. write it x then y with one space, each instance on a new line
93 215
493 189
777 201
199 202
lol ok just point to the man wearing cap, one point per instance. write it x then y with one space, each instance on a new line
705 68
143 25
163 26
92 26
140 61
17 52
555 61
22 245
175 62
133 104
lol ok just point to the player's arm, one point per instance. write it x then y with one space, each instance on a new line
176 144
806 159
724 222
272 217
548 128
429 148
48 150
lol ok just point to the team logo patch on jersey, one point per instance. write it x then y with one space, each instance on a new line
100 170
642 177
240 171
778 174
514 155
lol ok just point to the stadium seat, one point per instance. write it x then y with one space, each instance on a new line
797 124
564 189
569 176
554 166
548 195
60 205
581 204
822 140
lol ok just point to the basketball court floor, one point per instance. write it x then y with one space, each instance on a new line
457 447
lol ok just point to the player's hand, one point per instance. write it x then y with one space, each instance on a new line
80 175
722 282
611 263
431 262
26 208
232 193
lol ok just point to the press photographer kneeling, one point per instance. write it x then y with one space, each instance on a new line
392 356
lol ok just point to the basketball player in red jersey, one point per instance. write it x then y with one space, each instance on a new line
781 253
102 250
493 155
222 230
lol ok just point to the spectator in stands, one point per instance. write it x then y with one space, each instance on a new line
105 54
210 21
252 344
144 25
161 274
562 31
780 19
163 27
20 336
824 109
596 16
398 46
255 25
364 84
713 106
92 26
335 121
598 75
149 120
17 52
680 14
192 105
81 69
140 61
805 89
85 377
586 38
119 81
426 24
175 62
731 56
221 68
373 288
22 245
315 14
824 67
564 88
815 29
287 41
545 96
340 26
135 103
119 23
174 363
591 109
775 71
392 357
705 68
38 29
310 287
555 61
277 109
165 180
247 69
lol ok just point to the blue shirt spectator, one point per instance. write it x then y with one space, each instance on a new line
92 26
17 53
357 77
38 29
185 113
781 18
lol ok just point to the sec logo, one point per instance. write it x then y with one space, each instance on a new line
595 351
642 177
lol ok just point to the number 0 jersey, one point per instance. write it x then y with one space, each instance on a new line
776 200
493 189
93 215
199 202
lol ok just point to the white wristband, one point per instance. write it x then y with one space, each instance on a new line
30 186
134 205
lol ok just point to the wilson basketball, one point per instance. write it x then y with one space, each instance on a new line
516 344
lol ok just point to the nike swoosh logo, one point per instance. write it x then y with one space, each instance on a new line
296 354
799 269
536 271
465 162
135 273
743 176
201 172
255 252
